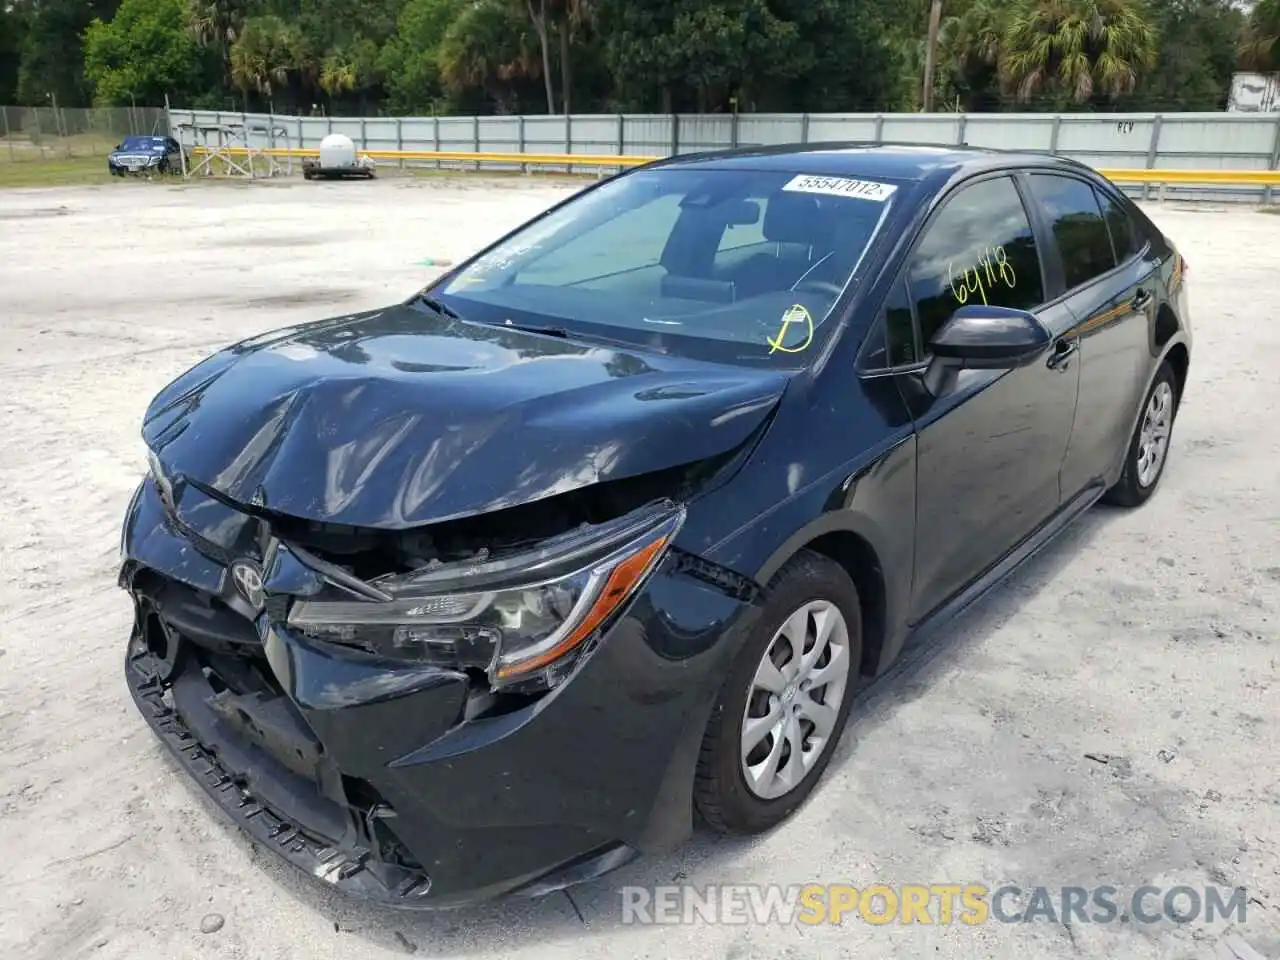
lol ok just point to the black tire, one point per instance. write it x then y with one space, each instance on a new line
1129 490
721 794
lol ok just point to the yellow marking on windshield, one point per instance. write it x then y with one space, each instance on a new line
795 313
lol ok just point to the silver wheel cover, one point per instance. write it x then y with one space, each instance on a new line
794 700
1153 434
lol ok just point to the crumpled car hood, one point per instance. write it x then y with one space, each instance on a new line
399 417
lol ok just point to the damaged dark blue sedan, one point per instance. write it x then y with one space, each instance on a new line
489 591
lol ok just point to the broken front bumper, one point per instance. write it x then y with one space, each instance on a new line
365 773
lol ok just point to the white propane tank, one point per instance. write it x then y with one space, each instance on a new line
337 152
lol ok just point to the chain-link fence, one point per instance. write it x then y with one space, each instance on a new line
48 133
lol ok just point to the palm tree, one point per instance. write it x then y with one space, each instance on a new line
263 55
1257 50
973 38
339 73
487 47
1076 49
970 45
216 23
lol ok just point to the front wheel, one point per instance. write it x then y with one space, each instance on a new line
1148 451
784 705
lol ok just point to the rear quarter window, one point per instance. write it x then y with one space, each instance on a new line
1124 232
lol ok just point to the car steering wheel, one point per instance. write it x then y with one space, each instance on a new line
818 286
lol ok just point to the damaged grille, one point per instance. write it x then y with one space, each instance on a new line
201 617
369 554
346 846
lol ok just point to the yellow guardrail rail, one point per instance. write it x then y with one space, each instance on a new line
1254 178
533 159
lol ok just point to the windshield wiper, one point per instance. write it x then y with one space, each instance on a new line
547 331
444 309
439 307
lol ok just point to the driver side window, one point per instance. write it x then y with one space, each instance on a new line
980 249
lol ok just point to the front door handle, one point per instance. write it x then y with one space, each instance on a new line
1141 299
1063 350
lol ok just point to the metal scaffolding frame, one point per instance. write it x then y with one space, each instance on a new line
230 150
272 134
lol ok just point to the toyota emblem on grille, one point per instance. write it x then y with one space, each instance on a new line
247 577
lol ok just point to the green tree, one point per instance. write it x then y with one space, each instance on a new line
1196 57
347 38
766 54
640 59
52 64
411 58
720 47
540 19
217 24
573 18
264 54
13 31
1076 51
1258 49
971 42
845 56
490 50
145 52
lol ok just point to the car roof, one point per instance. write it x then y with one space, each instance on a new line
894 161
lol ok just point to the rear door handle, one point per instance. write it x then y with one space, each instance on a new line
1141 299
1063 350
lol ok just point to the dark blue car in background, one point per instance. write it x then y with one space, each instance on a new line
487 591
145 154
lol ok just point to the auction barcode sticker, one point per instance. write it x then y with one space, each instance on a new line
841 187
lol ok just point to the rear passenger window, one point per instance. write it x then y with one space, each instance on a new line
1077 224
1124 238
979 249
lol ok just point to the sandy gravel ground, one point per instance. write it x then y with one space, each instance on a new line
1149 638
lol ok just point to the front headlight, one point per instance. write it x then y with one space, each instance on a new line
525 618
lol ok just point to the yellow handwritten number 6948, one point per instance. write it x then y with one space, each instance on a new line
992 269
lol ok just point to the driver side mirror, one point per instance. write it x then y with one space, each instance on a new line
982 337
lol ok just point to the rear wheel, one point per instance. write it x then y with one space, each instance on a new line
783 707
1148 451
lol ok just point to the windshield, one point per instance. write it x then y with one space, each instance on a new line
142 143
720 264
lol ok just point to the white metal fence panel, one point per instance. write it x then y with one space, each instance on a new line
1145 141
